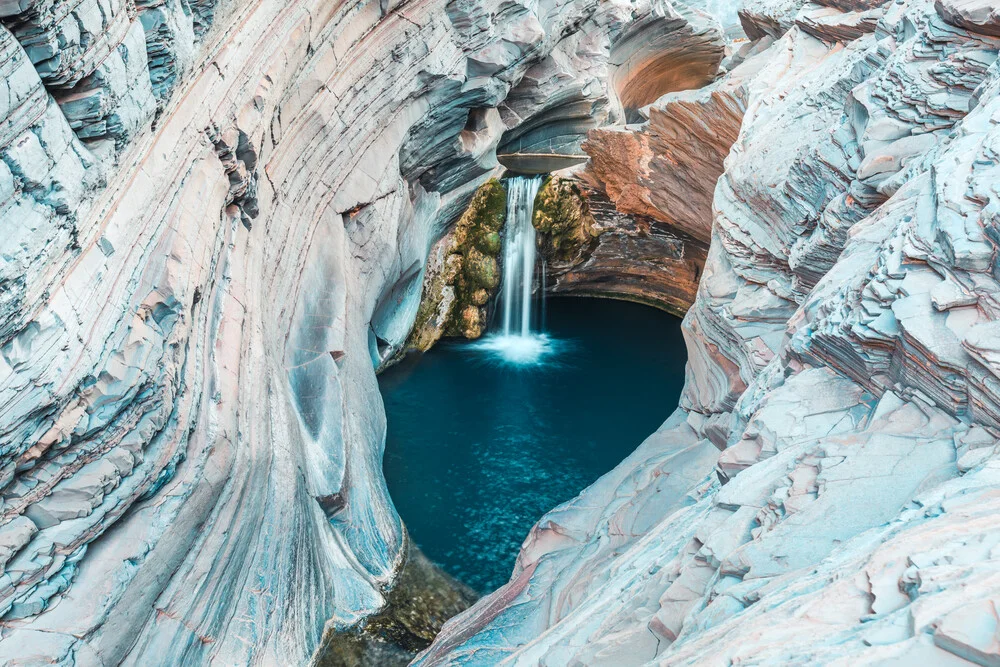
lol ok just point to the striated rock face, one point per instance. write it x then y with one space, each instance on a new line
191 315
170 38
45 175
655 55
91 56
975 15
192 309
827 491
593 249
663 47
667 167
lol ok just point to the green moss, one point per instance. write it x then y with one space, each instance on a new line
490 244
481 271
425 333
562 219
476 241
463 272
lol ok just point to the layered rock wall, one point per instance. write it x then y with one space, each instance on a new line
211 245
826 492
681 53
667 167
593 249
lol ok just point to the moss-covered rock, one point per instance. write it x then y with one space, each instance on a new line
477 241
479 272
470 322
480 297
463 272
437 298
490 244
562 219
452 267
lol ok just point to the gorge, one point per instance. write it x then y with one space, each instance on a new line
225 218
480 445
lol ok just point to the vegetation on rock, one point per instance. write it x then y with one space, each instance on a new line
562 219
463 272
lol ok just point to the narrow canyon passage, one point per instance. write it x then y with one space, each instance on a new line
478 450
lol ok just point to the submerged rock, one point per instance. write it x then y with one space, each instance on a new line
421 599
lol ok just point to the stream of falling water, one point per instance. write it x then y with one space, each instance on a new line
519 340
519 256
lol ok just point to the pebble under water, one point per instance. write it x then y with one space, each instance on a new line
477 451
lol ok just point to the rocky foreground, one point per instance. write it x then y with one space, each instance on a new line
217 218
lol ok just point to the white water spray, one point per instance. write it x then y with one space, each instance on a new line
519 341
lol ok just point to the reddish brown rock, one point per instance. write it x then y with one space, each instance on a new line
833 25
843 353
631 257
852 5
982 16
659 54
667 168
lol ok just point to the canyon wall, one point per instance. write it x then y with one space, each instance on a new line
606 253
826 493
217 218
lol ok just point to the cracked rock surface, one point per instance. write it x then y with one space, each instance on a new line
217 218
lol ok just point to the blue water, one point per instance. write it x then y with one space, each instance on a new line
478 449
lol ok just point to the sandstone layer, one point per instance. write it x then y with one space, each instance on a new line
217 225
666 168
217 219
827 491
593 249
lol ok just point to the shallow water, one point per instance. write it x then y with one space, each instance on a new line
478 449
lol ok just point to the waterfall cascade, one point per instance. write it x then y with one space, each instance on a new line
519 256
518 339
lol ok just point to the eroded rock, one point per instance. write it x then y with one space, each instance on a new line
593 249
421 599
463 272
190 411
824 493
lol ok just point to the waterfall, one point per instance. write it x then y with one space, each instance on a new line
518 341
519 256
